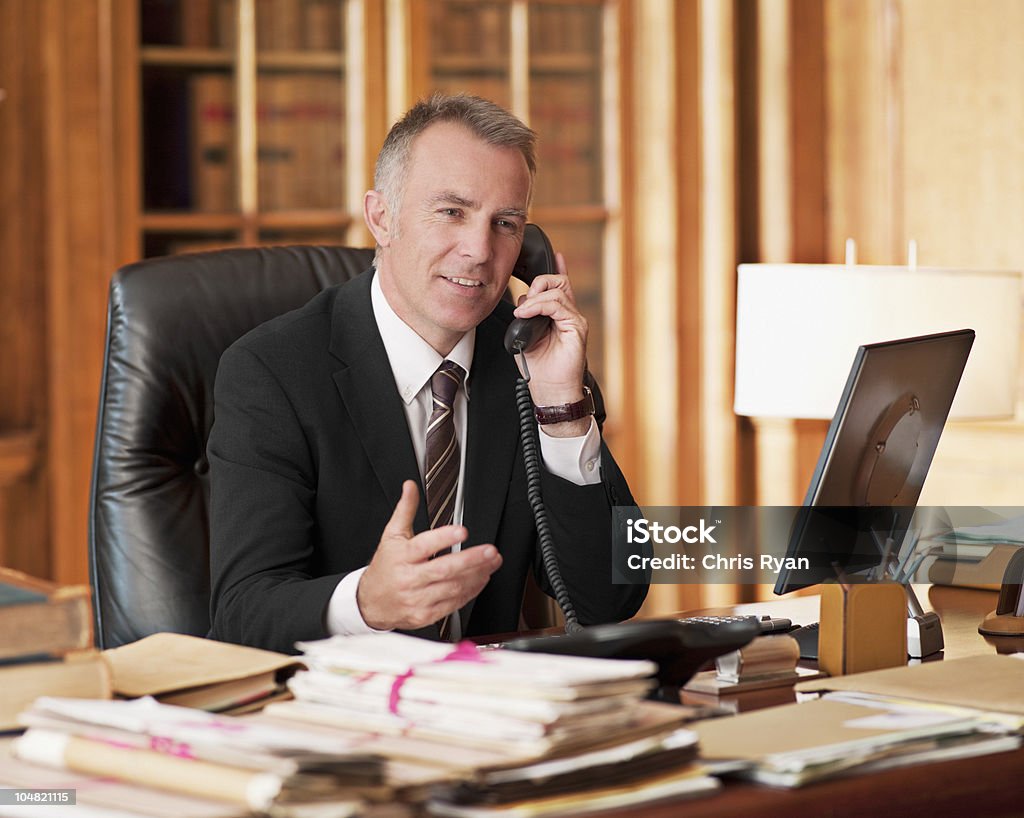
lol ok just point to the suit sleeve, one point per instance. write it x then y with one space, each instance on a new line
264 591
583 524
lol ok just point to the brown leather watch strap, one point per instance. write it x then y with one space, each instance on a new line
562 412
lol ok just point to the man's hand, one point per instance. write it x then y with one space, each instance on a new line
403 588
557 361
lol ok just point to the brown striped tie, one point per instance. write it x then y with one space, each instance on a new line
441 471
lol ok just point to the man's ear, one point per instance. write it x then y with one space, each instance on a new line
377 217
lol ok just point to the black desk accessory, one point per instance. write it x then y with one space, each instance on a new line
680 649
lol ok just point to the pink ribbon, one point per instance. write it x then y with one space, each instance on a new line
464 651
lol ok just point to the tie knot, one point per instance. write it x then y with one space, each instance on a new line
445 381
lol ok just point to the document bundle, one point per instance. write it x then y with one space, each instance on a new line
382 722
878 720
252 766
507 733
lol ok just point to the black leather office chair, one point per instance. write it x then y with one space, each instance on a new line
169 319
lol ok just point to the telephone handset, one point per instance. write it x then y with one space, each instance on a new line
536 258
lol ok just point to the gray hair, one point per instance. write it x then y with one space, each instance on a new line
483 118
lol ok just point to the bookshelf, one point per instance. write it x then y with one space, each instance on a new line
243 123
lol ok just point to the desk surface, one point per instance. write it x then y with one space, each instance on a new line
986 785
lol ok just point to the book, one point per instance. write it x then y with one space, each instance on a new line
197 23
41 618
322 24
201 673
212 143
83 674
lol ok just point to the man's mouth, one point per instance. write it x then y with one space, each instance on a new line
464 282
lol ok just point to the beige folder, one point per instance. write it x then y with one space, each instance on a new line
990 682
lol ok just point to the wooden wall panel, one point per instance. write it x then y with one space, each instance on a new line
925 111
859 125
23 343
962 131
963 193
83 242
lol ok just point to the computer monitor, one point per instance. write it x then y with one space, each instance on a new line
876 455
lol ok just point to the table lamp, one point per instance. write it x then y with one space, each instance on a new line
798 327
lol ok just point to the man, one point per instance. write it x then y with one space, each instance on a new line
322 447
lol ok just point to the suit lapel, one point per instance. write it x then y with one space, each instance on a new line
380 423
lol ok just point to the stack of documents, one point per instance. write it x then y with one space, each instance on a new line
250 765
987 687
853 732
502 700
508 733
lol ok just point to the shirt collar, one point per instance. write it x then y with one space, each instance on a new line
413 361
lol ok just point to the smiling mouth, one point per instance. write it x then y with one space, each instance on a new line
464 282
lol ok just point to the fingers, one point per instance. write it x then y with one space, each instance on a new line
403 587
400 524
417 595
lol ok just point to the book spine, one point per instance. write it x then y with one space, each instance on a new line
213 122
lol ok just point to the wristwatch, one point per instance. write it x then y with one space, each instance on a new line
562 412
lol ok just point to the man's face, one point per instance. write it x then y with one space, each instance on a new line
447 254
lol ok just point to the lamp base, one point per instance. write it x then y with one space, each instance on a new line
1002 625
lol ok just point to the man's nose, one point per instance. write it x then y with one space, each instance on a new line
476 243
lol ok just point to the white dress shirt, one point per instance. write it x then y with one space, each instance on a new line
413 362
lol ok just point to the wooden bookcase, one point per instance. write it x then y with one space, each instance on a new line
250 121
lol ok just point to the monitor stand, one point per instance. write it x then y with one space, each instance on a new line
924 630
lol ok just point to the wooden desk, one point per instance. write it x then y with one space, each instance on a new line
985 786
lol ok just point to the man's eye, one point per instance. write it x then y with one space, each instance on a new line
452 212
505 224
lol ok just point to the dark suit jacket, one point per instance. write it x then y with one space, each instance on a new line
308 452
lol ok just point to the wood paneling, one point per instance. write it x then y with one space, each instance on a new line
83 238
925 112
23 319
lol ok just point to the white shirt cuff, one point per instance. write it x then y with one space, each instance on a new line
343 615
576 459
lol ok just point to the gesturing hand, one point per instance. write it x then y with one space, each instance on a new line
404 588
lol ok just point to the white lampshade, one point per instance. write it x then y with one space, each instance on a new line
798 327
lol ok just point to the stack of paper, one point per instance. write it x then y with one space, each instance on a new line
796 744
251 765
987 687
497 699
508 732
